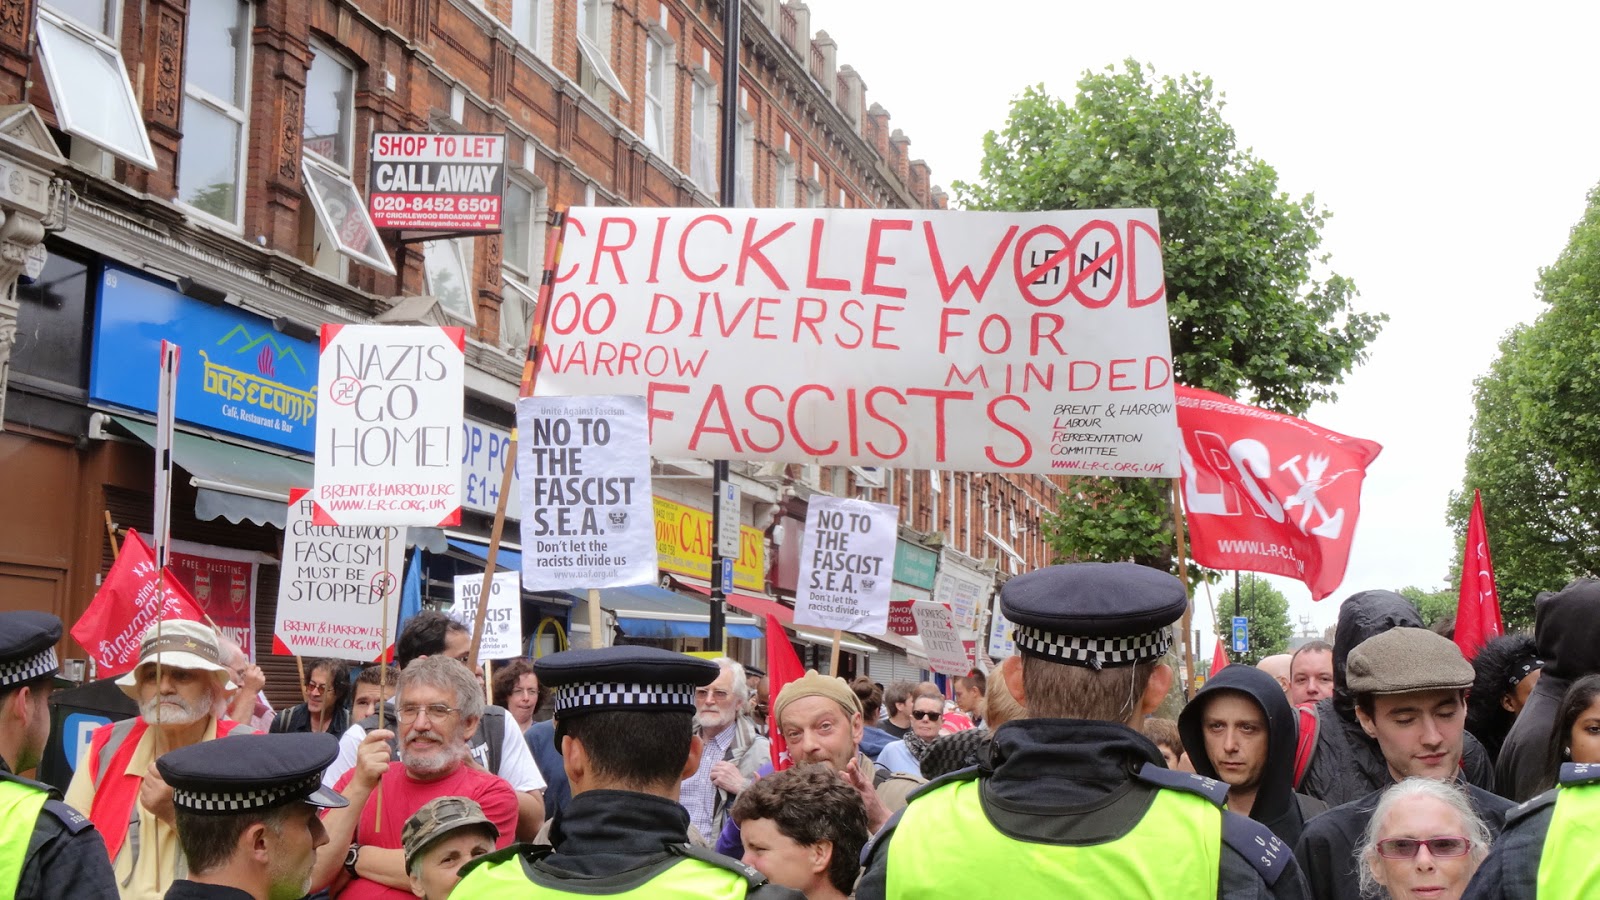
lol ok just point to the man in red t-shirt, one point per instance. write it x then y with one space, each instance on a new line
438 705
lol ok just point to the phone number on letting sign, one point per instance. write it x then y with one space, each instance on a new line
427 203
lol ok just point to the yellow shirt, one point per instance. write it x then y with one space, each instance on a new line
158 862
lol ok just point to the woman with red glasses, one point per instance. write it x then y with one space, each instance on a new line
1423 842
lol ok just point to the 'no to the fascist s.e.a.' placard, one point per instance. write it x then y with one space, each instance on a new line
333 585
846 565
502 624
389 403
587 516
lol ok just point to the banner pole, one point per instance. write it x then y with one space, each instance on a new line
111 532
833 657
530 377
383 674
488 681
596 620
1183 575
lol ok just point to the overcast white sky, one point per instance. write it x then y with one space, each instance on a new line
1454 148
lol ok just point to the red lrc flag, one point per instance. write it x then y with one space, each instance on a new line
783 666
1266 492
1478 609
125 606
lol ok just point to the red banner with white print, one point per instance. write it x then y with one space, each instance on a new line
1267 492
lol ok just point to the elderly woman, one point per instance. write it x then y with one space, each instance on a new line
1423 842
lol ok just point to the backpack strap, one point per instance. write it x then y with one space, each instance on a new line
1306 741
492 729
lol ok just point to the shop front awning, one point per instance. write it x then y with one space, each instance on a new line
761 606
232 482
647 611
910 644
506 557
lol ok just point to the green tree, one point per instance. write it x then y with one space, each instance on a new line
1268 612
1435 606
1534 448
1252 316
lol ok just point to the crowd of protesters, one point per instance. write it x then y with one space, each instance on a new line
1384 764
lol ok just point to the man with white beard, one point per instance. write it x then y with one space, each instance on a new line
733 750
180 685
437 708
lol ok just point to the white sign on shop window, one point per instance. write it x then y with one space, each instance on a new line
484 454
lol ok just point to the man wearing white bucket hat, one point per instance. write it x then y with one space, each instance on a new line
180 684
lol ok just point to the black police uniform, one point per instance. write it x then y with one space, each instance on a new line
612 841
65 856
1072 783
245 774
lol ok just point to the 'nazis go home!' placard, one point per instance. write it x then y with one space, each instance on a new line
587 514
332 587
971 341
389 425
846 565
436 182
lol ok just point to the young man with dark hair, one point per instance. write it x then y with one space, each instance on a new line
1409 686
1079 803
47 849
246 809
625 722
897 706
804 828
496 745
970 690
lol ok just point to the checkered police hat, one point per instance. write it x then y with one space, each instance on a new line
611 679
1096 615
28 647
250 772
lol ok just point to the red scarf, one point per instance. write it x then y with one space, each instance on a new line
114 797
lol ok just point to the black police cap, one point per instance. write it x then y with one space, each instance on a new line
610 679
251 772
1094 614
28 647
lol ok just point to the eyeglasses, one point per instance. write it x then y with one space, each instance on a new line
317 687
1406 848
436 711
704 693
924 714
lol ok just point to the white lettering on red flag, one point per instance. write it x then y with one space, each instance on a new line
1267 492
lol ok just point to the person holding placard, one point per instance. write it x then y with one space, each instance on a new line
1078 803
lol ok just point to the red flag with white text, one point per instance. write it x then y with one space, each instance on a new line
783 666
1267 492
1478 609
126 605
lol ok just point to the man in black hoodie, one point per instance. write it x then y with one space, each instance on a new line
1347 764
1565 625
1240 729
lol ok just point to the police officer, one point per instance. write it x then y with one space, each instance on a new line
47 848
1547 850
625 725
1075 802
247 813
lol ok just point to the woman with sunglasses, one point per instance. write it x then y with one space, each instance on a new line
906 754
326 692
1423 842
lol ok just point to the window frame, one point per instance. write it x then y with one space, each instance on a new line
594 44
658 56
240 115
462 249
528 300
310 166
702 134
530 25
71 29
745 168
788 173
347 116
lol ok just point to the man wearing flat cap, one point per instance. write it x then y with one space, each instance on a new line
625 725
1074 801
1410 688
181 687
47 848
247 812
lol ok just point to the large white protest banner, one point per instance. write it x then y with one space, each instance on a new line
502 625
964 589
588 519
975 341
846 565
389 425
948 654
333 584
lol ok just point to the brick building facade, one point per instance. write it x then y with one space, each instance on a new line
212 155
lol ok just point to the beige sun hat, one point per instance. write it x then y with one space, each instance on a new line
180 644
